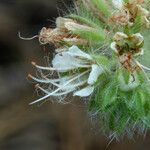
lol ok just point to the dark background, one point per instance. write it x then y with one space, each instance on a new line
46 126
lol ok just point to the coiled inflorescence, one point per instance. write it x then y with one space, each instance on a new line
98 53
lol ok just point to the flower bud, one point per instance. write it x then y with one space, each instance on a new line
137 39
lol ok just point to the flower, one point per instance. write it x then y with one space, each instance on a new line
119 82
77 73
127 12
124 44
63 33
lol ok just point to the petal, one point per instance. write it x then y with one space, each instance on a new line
62 61
87 91
65 62
76 52
95 73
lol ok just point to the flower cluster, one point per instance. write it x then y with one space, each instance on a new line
99 51
128 12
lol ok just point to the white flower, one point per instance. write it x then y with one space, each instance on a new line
64 27
72 59
81 72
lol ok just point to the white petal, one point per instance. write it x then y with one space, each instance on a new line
62 61
75 51
87 91
65 62
69 59
95 73
117 3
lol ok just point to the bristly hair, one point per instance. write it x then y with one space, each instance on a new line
102 48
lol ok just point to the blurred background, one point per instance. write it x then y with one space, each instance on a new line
46 126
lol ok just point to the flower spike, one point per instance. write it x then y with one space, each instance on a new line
100 49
